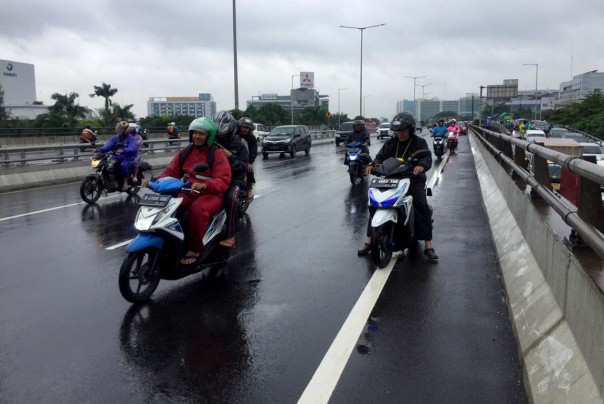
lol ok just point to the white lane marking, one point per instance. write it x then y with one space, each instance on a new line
123 243
47 210
326 377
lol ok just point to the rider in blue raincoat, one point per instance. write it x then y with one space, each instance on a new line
125 147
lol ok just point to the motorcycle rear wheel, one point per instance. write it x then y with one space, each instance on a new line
90 190
137 279
381 251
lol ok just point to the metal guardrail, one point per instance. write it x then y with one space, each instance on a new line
587 219
51 154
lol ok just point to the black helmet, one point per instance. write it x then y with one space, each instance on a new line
358 125
402 121
247 123
226 124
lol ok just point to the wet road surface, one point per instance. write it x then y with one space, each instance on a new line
257 332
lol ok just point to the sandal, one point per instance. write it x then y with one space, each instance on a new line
189 257
228 243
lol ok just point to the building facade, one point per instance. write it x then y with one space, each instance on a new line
202 105
578 88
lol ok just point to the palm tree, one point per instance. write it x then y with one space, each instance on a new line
66 109
124 113
105 91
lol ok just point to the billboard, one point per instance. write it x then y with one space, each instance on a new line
18 80
307 80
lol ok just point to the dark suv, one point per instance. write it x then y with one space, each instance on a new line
287 139
345 130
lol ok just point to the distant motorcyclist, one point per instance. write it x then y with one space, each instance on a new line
359 134
88 136
236 150
173 131
126 149
404 143
246 131
211 186
440 129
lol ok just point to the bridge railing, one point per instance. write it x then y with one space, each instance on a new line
52 154
587 217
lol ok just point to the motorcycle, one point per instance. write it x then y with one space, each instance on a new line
106 177
438 144
155 253
393 220
452 142
356 162
89 140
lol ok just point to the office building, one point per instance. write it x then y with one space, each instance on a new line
578 88
202 105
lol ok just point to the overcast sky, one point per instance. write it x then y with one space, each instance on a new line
153 48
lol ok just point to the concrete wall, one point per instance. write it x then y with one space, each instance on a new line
557 309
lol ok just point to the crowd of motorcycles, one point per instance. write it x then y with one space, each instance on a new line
155 253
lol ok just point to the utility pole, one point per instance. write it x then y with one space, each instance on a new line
414 105
235 54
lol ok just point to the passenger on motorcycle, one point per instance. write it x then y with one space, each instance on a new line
454 128
403 145
440 129
210 185
126 149
246 131
359 134
236 150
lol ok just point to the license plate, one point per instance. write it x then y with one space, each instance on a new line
384 183
158 201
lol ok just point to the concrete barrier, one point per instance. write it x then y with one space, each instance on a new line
27 177
557 308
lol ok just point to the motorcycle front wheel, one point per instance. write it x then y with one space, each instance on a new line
138 278
381 240
352 173
91 189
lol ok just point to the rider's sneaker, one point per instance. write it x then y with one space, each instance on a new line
430 254
364 250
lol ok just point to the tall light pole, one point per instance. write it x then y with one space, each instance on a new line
364 110
361 86
414 106
536 81
235 54
291 97
423 88
339 113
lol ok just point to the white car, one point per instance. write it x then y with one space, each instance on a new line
260 132
593 149
383 131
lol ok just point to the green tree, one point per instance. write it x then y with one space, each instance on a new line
65 110
105 91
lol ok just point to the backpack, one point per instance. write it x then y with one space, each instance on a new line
187 150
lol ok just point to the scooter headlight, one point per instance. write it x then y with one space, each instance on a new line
95 163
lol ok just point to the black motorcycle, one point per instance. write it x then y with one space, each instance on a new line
438 144
356 161
106 177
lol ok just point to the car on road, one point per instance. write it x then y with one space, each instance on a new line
260 131
287 139
343 132
557 132
383 131
577 137
592 149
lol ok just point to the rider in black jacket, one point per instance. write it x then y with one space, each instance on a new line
404 143
246 131
237 152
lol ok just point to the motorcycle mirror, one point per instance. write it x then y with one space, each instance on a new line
199 168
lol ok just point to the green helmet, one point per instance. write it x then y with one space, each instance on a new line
206 125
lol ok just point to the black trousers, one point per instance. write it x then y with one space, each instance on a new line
422 212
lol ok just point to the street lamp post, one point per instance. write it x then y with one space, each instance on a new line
361 86
536 81
339 113
414 79
291 97
364 110
235 54
423 90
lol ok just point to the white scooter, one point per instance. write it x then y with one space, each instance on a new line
156 251
393 220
